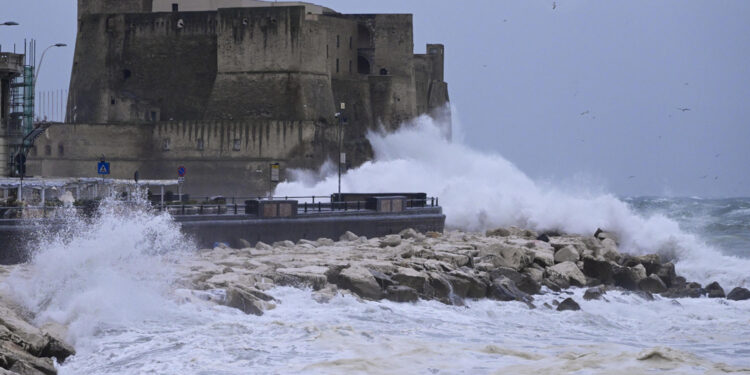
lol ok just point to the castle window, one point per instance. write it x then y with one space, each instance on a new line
350 42
126 74
236 145
112 100
363 66
337 65
166 144
154 117
350 66
60 150
47 150
201 146
175 7
338 41
326 51
384 72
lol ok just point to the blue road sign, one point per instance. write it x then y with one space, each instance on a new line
181 171
102 168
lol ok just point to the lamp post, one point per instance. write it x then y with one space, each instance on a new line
340 116
9 23
39 68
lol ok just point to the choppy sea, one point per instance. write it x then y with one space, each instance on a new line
112 285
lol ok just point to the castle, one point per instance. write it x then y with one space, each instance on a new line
227 88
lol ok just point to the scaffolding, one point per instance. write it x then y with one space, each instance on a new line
21 116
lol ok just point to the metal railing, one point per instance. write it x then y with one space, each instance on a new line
224 206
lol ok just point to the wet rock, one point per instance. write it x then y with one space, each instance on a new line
609 250
439 287
629 277
523 281
603 270
652 284
244 243
543 237
667 274
595 293
314 276
348 237
383 280
307 242
476 287
326 294
568 304
360 281
644 295
543 256
458 260
567 254
554 286
504 289
411 278
19 361
391 240
535 274
504 255
56 345
568 272
408 233
739 294
24 334
263 246
685 290
714 290
401 293
248 301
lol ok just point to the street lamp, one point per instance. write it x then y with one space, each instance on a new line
9 23
340 116
38 68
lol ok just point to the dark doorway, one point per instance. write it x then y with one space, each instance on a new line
363 66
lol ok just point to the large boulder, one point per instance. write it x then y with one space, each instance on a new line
476 287
594 293
504 255
348 237
602 270
666 273
629 277
504 289
19 361
566 272
739 294
652 284
412 278
714 290
523 281
568 305
314 276
567 254
248 300
401 293
391 240
359 280
603 235
609 250
684 290
56 345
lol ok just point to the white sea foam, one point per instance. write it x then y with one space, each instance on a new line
481 190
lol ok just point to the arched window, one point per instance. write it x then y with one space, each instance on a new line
363 37
363 66
384 72
47 150
60 150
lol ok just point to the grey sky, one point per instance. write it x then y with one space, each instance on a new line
588 91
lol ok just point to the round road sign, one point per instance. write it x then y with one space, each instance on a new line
181 171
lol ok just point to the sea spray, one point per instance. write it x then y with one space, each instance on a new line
102 272
482 190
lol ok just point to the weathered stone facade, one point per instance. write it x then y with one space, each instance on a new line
227 91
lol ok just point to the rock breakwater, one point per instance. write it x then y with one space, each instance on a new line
506 264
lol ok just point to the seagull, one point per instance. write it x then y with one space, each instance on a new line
554 5
631 176
586 112
704 177
683 109
717 155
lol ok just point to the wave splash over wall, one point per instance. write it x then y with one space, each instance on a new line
102 273
480 190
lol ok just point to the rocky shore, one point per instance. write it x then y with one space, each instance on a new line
26 349
506 264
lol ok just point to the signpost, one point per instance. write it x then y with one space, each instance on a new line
102 167
275 167
181 172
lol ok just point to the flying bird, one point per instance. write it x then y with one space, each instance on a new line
586 112
554 5
683 109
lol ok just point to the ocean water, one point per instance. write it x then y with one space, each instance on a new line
112 282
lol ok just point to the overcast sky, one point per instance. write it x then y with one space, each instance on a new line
641 97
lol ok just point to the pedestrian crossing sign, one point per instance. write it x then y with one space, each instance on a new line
102 168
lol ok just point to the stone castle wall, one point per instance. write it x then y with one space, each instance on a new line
136 70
